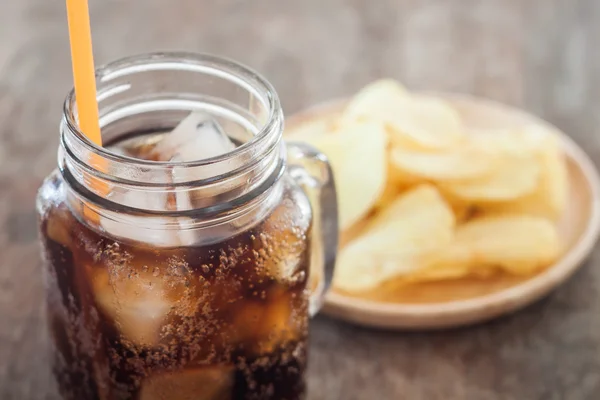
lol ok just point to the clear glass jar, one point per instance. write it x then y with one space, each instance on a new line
184 280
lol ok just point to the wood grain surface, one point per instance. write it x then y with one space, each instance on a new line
538 54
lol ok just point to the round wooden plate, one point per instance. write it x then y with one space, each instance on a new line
579 229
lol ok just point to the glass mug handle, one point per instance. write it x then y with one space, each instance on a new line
312 172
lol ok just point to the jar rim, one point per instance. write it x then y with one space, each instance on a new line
247 76
231 179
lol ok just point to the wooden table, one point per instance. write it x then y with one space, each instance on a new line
538 54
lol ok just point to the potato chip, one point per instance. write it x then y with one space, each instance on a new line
374 100
396 183
549 199
418 122
410 205
424 125
517 175
519 244
431 122
461 163
357 156
408 172
355 231
450 262
389 194
397 241
463 212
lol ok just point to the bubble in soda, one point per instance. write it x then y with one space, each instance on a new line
137 314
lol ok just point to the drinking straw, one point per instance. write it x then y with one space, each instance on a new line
83 69
84 77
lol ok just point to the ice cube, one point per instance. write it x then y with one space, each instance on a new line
283 264
158 231
284 237
141 299
58 229
278 324
152 230
137 306
198 137
140 200
186 236
209 383
264 326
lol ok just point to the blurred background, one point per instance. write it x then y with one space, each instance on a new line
536 54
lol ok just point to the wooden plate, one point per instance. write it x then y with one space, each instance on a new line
443 305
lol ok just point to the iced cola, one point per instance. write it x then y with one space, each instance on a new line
148 319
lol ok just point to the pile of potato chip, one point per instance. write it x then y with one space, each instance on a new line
422 197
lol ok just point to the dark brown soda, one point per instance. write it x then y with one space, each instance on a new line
224 321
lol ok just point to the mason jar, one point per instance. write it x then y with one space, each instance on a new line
190 279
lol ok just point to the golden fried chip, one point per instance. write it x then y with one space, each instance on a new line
450 262
519 244
397 242
376 100
417 122
516 175
431 122
549 199
408 171
459 163
357 156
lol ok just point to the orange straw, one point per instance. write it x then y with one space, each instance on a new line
84 77
83 69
